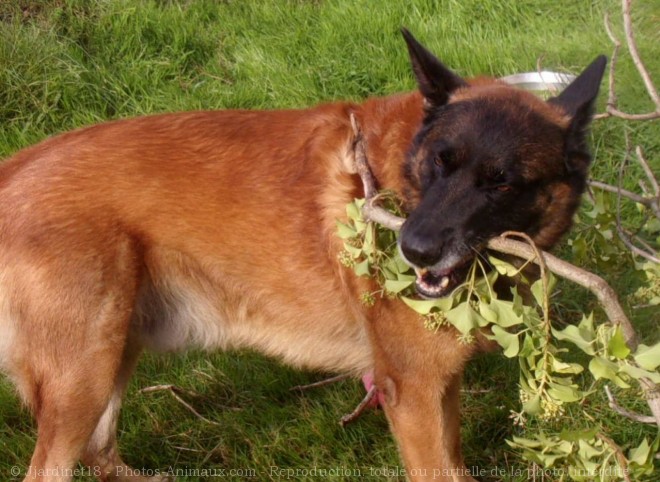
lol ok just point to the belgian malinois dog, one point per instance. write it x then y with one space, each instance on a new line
217 230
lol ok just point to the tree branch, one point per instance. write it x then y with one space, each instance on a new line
321 383
598 286
618 453
623 192
648 171
370 210
173 389
362 406
614 405
634 53
612 110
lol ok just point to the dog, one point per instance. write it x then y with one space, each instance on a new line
216 230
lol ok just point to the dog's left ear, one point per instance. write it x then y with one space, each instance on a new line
435 81
578 100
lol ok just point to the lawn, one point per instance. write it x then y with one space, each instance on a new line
69 63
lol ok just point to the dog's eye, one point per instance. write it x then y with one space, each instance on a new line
443 158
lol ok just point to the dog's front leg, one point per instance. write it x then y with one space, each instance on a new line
418 374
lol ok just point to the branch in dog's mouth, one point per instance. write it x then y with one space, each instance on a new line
430 283
371 211
605 294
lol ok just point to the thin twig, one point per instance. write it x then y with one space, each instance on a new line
173 389
623 192
628 240
639 240
362 406
476 391
619 228
321 383
634 53
637 417
647 170
612 109
611 98
618 453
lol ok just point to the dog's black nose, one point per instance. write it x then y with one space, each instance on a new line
422 251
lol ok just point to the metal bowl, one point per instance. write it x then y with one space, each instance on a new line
542 82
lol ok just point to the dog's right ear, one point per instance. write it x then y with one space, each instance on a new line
435 81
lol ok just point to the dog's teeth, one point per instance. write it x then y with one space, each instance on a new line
421 271
444 282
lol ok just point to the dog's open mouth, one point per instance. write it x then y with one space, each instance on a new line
432 283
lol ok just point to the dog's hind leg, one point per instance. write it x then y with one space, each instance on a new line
101 454
71 311
418 373
69 393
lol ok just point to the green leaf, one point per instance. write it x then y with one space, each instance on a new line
527 380
368 246
344 231
653 226
573 334
549 459
518 301
576 435
648 357
463 318
528 346
424 307
508 341
637 373
487 312
533 406
396 286
503 267
587 450
617 345
362 268
563 393
353 251
579 248
602 368
354 209
360 226
406 277
398 266
537 288
559 366
503 313
639 455
525 442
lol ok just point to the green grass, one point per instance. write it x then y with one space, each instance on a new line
68 63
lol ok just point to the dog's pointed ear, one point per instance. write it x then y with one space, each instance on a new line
578 98
577 101
435 81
